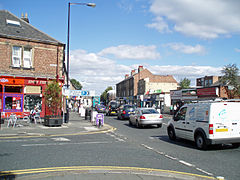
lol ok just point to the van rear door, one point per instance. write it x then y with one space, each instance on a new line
226 119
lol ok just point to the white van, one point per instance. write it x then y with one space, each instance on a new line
206 123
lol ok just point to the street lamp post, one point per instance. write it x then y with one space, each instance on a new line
68 37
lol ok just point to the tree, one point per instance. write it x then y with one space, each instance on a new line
76 84
53 97
103 96
185 83
230 78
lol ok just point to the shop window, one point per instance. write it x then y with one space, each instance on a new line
30 101
13 103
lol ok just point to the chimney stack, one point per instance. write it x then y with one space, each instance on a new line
140 68
133 72
25 18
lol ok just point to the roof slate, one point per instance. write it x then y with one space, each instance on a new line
23 32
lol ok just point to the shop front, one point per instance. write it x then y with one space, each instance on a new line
11 96
21 95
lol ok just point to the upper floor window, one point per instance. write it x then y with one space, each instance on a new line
21 57
27 58
16 56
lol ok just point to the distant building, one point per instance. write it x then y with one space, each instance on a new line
146 89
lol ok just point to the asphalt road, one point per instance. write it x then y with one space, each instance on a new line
125 147
218 161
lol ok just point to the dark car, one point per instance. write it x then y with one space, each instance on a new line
125 111
112 107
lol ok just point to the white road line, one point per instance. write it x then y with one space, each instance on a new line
210 174
186 163
60 139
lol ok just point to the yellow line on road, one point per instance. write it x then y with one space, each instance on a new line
89 168
110 129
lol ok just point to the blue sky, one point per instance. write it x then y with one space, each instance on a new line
179 37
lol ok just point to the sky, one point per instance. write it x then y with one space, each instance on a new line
183 38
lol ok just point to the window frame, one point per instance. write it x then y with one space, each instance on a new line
24 54
30 57
16 56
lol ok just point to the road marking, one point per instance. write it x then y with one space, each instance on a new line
186 163
60 139
107 169
62 144
176 159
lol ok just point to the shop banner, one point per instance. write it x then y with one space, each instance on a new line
212 91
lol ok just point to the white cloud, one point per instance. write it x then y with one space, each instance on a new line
203 19
187 49
95 72
131 52
237 49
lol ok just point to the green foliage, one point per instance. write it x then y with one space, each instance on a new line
230 78
53 97
103 96
76 84
185 83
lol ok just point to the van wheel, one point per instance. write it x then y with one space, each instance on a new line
200 142
159 125
171 133
235 145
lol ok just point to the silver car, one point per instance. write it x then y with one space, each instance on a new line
145 116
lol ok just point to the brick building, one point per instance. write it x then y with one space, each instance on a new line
145 88
29 59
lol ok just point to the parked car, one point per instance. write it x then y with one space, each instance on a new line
146 117
111 109
207 123
101 108
125 110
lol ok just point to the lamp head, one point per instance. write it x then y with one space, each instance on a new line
91 4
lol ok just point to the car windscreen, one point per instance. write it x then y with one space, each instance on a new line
130 108
149 111
114 105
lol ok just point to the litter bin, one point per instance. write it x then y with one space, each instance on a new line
66 116
87 114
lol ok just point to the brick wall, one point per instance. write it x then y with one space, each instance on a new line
47 59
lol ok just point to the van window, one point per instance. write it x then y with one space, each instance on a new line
181 114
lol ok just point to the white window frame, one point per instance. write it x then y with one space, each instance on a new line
16 55
27 57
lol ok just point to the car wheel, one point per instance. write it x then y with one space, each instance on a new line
200 142
171 133
130 123
159 125
235 145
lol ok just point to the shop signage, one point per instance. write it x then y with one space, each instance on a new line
189 92
68 92
157 91
11 81
207 91
35 82
3 80
176 93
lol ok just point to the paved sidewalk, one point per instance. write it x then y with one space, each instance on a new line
76 125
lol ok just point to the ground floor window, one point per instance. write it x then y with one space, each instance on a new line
30 101
13 102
